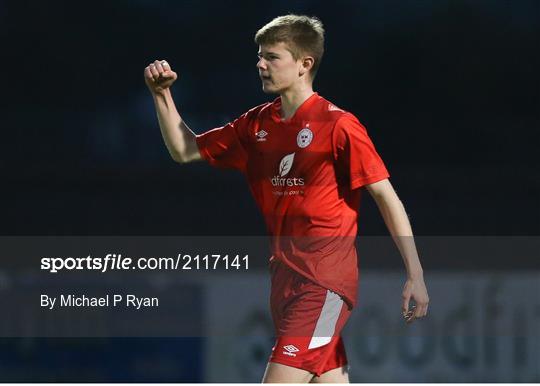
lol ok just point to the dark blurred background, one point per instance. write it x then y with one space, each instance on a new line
449 91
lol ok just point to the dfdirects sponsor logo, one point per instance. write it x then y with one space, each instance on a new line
290 350
284 168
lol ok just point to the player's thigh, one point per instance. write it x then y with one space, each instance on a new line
278 373
339 375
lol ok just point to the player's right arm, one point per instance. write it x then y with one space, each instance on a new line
178 137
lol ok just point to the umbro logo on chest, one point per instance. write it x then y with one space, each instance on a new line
303 138
261 135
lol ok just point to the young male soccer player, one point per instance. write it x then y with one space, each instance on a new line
305 161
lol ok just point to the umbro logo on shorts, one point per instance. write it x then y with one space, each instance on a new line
290 350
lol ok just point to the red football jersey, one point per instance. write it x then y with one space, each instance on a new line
304 173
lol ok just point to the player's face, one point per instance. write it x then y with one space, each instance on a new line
278 70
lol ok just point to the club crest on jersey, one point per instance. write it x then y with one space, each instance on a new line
261 135
304 138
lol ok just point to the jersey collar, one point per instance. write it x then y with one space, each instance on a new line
298 114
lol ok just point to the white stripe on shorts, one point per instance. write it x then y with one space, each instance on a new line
326 324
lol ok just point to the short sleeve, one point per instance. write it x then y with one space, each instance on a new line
225 146
355 154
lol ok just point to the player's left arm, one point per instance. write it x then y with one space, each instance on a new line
397 222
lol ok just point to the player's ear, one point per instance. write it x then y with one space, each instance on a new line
306 64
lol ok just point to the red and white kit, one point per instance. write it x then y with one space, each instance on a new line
304 173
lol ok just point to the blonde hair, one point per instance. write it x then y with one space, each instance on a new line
303 35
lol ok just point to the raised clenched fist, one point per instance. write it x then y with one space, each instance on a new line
159 76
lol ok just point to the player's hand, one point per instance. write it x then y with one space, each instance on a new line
158 76
414 289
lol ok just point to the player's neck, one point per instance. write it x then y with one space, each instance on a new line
291 100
